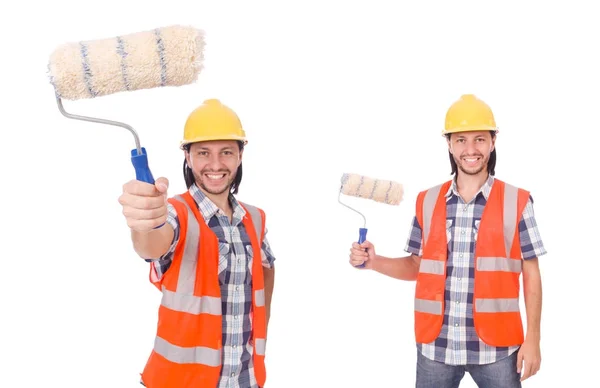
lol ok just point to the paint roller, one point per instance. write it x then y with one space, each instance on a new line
378 190
165 56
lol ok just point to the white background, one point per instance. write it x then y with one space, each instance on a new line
322 88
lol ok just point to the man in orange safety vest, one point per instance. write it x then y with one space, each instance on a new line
471 239
211 260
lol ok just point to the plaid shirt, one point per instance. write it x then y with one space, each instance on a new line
458 343
235 278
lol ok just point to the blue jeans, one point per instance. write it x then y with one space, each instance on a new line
500 374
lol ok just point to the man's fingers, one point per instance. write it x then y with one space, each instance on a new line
146 214
526 371
135 187
357 249
366 245
358 259
538 365
358 252
362 246
142 202
162 184
535 367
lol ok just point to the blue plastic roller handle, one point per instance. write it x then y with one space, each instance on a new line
140 163
362 236
142 170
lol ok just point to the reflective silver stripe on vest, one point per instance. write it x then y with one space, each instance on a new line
431 197
194 355
256 219
187 271
435 267
498 264
510 218
510 221
497 305
260 346
184 299
259 297
428 306
191 304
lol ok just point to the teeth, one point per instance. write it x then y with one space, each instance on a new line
471 160
215 176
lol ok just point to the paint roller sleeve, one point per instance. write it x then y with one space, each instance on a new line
384 191
167 56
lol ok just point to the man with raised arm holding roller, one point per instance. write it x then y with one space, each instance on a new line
471 239
210 258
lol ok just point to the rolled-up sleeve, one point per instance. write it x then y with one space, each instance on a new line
531 241
414 243
162 264
268 258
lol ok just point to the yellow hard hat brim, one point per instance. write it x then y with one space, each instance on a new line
470 129
212 138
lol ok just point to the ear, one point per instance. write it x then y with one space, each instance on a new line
493 143
449 144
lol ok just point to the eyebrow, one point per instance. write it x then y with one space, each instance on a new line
201 148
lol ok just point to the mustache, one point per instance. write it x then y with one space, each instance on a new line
214 171
472 156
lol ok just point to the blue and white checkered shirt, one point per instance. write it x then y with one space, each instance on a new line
458 343
235 264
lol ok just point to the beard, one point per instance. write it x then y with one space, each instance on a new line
214 188
465 168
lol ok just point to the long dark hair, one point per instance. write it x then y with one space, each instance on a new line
188 174
491 167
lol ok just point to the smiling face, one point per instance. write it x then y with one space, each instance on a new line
471 150
214 164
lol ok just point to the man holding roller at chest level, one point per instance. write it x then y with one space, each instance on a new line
210 258
471 239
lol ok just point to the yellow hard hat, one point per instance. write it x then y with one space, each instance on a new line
469 113
212 121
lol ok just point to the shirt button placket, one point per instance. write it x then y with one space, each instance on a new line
234 337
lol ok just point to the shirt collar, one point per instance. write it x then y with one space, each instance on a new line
485 189
208 209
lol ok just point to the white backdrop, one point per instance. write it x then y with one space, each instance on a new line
322 88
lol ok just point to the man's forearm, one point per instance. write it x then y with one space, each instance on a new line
403 268
153 244
269 280
532 290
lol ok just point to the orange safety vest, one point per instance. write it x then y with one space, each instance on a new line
498 264
188 345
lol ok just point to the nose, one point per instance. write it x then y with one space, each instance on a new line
214 162
471 148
